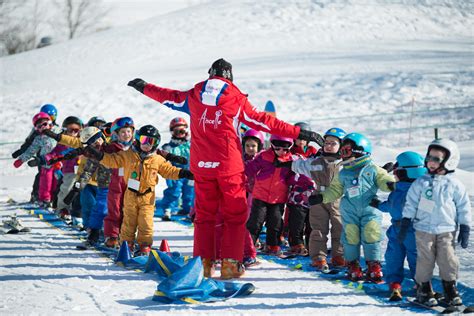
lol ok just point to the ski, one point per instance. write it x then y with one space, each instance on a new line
443 308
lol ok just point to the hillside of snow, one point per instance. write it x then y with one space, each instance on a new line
394 70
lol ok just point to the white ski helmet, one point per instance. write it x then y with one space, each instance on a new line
90 134
451 161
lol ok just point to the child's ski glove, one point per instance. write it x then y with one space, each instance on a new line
463 237
17 163
52 134
37 161
185 173
311 137
315 199
405 224
388 166
93 152
391 186
282 164
375 202
138 84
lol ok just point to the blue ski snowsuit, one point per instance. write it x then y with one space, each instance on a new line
358 183
181 187
396 251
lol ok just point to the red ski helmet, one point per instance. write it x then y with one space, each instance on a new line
178 121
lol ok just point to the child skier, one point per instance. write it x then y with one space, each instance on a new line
122 130
302 146
437 203
53 114
179 145
72 126
252 143
270 192
408 168
357 183
322 169
141 167
42 145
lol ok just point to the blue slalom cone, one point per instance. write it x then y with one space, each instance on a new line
124 254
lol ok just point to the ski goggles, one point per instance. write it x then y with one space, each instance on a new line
280 148
148 140
177 131
347 151
72 130
42 125
121 123
433 159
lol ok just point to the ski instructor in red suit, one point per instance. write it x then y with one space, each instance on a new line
216 107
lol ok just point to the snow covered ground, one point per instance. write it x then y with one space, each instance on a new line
392 70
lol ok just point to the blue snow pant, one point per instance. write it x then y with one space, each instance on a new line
99 212
362 227
175 189
88 200
396 253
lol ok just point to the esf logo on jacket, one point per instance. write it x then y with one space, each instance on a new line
205 121
208 164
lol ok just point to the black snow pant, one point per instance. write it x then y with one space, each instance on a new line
271 214
298 222
35 191
76 207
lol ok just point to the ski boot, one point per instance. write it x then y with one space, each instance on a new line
284 241
144 250
374 272
338 262
273 250
209 267
320 264
111 242
250 261
396 292
182 212
231 269
166 215
299 250
91 241
64 215
354 271
451 294
77 223
47 205
425 294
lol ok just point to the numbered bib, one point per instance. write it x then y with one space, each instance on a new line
133 184
353 191
120 172
426 205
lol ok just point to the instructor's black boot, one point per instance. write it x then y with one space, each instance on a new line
425 294
451 293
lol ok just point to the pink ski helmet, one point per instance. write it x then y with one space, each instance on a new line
255 134
40 116
280 141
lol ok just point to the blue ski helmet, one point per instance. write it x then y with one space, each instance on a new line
50 110
412 163
336 132
122 122
362 143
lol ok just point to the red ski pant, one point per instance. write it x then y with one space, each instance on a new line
113 220
47 185
227 195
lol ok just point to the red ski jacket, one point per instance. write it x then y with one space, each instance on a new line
216 107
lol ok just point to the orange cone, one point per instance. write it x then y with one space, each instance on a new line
164 246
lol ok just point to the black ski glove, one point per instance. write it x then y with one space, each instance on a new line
185 173
72 194
282 164
404 225
388 166
93 152
311 137
391 186
463 237
37 161
177 159
375 202
17 153
315 199
138 84
52 134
